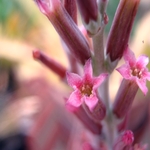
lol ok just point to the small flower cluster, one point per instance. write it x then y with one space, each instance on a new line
85 47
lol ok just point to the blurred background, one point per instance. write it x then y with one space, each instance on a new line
32 110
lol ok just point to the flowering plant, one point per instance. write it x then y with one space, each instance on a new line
85 48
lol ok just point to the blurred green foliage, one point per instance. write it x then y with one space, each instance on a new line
15 21
111 9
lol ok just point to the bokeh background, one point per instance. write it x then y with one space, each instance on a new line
31 95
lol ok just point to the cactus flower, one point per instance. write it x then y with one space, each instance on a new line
135 70
84 87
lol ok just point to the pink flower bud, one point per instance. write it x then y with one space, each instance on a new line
124 98
50 63
66 28
121 28
124 140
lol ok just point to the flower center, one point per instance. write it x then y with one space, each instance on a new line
86 90
136 72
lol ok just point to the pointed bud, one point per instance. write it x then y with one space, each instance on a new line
66 28
121 28
50 63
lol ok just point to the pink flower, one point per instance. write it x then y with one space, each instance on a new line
135 70
84 87
124 141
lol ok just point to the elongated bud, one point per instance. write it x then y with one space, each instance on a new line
98 113
124 98
121 28
50 63
71 7
124 141
66 28
89 123
90 15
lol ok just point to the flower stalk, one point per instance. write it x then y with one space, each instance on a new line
90 60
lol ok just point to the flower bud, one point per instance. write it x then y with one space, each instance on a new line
70 6
121 28
124 140
50 63
66 28
124 98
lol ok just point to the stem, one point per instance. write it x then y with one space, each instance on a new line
98 45
110 129
104 93
98 40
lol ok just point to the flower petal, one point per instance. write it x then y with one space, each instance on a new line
146 75
88 71
142 85
142 61
98 80
75 99
74 80
129 57
91 101
124 70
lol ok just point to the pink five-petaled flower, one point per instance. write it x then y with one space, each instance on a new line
84 87
135 70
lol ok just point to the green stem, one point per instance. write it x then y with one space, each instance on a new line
98 60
